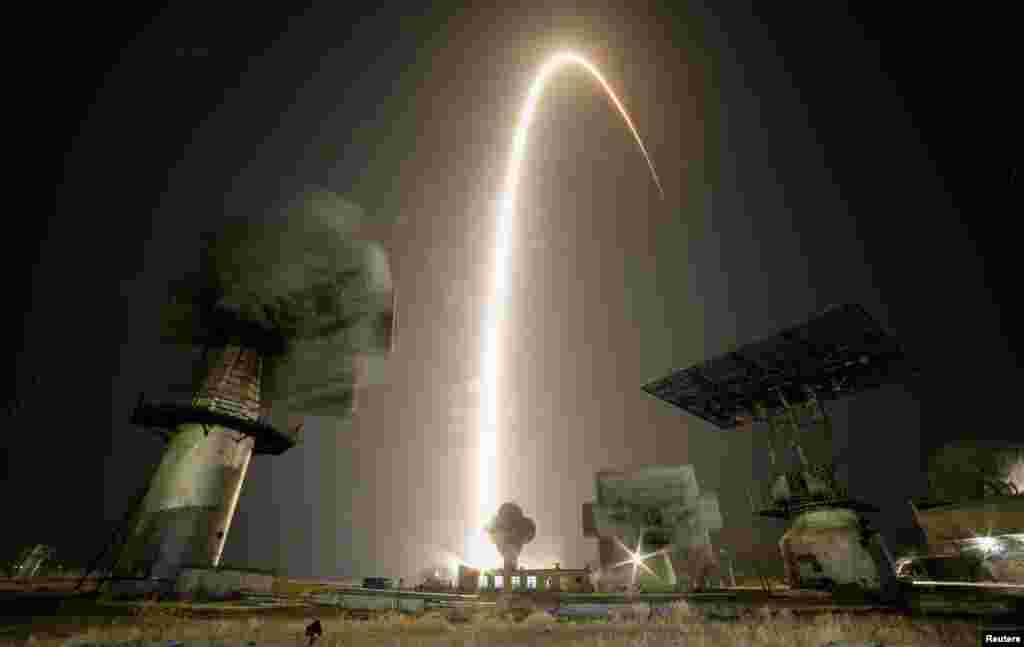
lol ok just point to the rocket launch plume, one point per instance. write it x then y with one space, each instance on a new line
478 550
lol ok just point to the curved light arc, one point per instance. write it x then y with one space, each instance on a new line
494 316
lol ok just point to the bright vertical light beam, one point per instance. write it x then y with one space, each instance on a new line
478 551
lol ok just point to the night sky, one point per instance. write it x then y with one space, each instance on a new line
809 157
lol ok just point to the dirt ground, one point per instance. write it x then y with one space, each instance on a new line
85 622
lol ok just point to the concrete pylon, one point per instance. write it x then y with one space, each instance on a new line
186 515
295 311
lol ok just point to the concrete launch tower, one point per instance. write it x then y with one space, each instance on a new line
783 381
286 315
186 514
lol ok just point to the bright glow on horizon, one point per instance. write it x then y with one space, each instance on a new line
479 550
987 544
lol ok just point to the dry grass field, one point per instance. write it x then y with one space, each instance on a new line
684 627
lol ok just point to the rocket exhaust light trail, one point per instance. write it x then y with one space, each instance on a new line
478 552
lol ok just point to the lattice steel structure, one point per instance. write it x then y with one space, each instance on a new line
784 381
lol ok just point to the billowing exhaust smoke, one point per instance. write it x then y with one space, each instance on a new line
317 301
510 530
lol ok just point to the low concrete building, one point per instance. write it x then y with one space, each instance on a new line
553 580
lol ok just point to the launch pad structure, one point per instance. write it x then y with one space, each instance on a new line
783 382
186 514
973 516
291 315
653 528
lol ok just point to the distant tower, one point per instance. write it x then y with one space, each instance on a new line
287 315
783 382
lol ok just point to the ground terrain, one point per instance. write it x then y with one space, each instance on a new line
85 621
